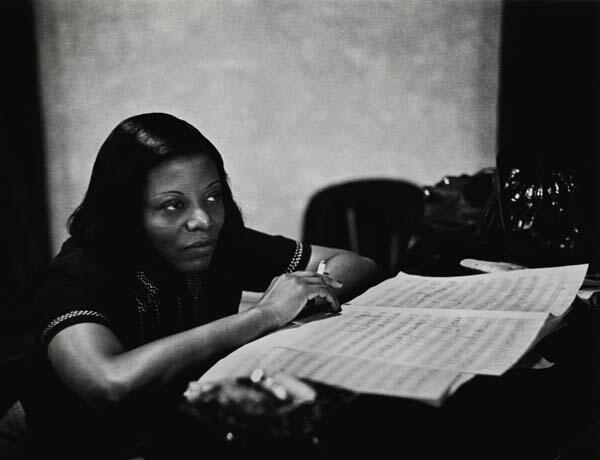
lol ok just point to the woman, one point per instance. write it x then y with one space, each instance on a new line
144 294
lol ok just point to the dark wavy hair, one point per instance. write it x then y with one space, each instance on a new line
109 219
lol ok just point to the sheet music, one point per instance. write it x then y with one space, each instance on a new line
542 289
483 342
355 374
417 337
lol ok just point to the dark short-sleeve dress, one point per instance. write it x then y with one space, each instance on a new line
138 308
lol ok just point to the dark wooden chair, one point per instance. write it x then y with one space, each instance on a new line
373 217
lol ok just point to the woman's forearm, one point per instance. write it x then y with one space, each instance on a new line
103 374
160 362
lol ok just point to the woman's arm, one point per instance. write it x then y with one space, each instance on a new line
91 360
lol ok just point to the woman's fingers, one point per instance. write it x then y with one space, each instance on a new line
314 278
291 293
331 282
303 273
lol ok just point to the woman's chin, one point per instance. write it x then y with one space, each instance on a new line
194 265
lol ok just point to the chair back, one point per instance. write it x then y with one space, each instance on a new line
373 217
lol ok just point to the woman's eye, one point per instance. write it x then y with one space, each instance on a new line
172 205
214 198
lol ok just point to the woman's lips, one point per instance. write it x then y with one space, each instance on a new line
200 246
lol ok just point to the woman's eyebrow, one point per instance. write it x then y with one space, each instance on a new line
166 192
177 192
216 182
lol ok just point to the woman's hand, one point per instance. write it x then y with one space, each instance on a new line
288 294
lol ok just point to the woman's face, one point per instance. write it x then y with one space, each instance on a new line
183 211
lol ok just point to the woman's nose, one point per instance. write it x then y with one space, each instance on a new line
198 220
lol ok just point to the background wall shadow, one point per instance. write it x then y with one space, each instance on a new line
25 245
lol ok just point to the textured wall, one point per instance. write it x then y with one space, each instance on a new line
295 94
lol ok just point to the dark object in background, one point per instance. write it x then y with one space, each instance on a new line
530 219
549 125
460 220
539 217
373 217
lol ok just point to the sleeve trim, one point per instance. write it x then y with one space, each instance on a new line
69 318
296 258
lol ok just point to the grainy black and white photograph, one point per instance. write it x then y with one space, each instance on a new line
300 229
